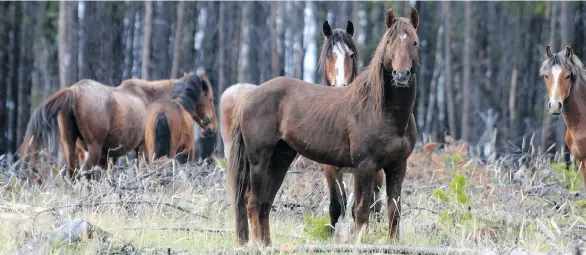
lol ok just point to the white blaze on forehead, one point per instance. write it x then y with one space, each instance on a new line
340 51
555 71
403 37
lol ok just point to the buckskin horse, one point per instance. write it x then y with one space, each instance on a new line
109 121
169 122
338 63
367 125
565 80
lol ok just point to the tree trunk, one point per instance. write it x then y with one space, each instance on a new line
17 17
433 91
560 124
25 70
146 42
448 69
274 34
299 53
67 37
546 134
467 71
4 52
177 42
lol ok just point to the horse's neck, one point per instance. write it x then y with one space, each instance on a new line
575 106
399 103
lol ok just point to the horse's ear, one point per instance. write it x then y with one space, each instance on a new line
390 17
350 28
569 52
548 52
327 30
414 17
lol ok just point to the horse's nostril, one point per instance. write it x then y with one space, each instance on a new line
560 105
549 104
408 73
394 72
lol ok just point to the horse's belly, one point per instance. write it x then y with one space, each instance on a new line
320 151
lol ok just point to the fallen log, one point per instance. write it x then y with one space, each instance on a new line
68 233
344 248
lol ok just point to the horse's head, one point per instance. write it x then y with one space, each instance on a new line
401 52
557 72
197 97
338 56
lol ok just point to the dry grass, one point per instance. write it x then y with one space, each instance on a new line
169 210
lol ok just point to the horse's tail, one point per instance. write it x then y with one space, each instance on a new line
43 127
162 136
238 180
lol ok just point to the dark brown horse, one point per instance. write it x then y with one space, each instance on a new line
367 125
339 64
109 121
565 79
169 122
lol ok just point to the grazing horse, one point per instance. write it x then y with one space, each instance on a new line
109 121
367 125
565 79
169 122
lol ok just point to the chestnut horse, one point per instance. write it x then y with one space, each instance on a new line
338 63
565 80
367 125
169 122
109 121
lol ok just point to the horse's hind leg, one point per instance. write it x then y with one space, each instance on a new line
394 175
334 178
68 135
272 181
93 159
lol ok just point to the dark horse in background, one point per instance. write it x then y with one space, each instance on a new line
367 125
108 121
169 124
338 63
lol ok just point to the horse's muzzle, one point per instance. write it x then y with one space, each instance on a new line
208 132
206 120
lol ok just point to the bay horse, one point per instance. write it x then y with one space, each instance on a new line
109 121
565 79
169 122
338 63
367 125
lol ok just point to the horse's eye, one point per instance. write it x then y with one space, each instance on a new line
415 43
545 76
568 76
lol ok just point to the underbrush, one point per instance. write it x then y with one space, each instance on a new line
450 199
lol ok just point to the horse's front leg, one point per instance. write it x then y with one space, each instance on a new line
363 177
394 174
334 179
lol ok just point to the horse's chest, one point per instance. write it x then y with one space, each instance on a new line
578 145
